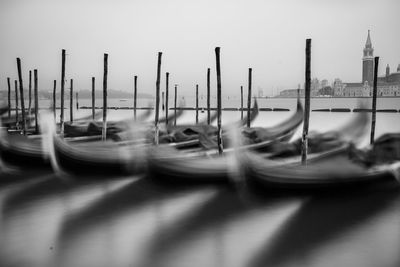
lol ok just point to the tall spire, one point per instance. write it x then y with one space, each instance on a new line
368 61
368 44
368 49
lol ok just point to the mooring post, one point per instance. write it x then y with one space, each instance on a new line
157 97
30 93
105 74
71 102
16 104
298 97
9 96
208 97
249 98
241 102
134 96
162 101
77 100
93 97
62 91
374 94
21 89
166 96
218 67
54 99
304 139
197 103
175 99
36 95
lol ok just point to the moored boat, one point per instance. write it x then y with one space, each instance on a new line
198 167
326 170
169 164
19 150
99 159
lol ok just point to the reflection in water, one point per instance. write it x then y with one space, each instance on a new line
129 217
31 217
322 222
46 221
203 234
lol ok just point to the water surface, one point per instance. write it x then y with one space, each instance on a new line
133 221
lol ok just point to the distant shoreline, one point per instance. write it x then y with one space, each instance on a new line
333 97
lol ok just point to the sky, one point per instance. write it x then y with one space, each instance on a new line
265 35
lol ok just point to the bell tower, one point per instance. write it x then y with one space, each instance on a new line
368 62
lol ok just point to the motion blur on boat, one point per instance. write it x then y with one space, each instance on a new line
267 157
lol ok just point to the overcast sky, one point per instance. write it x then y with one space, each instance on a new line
268 36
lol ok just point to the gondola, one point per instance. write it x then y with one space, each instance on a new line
79 126
331 165
96 159
331 170
102 159
205 167
117 130
89 127
193 136
12 120
187 131
27 151
167 164
16 149
260 138
19 150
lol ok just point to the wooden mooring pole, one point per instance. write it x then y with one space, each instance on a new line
30 93
208 97
157 97
36 95
249 98
241 102
77 100
298 97
105 74
71 102
304 139
175 99
21 90
162 101
218 67
134 96
54 98
197 103
16 104
374 94
166 96
93 97
62 91
9 96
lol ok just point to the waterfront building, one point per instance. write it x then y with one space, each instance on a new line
356 89
315 86
324 83
387 85
338 87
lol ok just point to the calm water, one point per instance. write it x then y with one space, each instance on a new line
49 221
